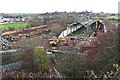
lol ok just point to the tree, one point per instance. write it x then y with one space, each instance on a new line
70 65
102 52
35 60
27 58
41 60
35 21
67 18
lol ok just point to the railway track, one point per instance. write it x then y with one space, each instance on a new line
22 30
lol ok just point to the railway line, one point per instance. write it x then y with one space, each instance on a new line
22 30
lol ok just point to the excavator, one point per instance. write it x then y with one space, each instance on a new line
54 42
96 27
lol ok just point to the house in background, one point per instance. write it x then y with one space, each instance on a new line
1 19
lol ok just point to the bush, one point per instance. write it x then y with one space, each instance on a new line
41 60
103 52
35 60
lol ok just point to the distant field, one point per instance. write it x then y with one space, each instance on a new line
13 25
113 17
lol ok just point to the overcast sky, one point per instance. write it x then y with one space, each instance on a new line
41 6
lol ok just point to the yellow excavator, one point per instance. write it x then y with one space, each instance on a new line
54 41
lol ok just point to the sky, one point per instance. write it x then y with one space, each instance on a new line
42 6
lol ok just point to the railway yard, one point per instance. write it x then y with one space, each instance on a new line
78 44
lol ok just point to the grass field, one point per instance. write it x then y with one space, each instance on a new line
113 17
13 25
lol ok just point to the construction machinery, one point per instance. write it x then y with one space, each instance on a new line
96 28
54 42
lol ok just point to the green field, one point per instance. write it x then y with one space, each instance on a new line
113 17
13 25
